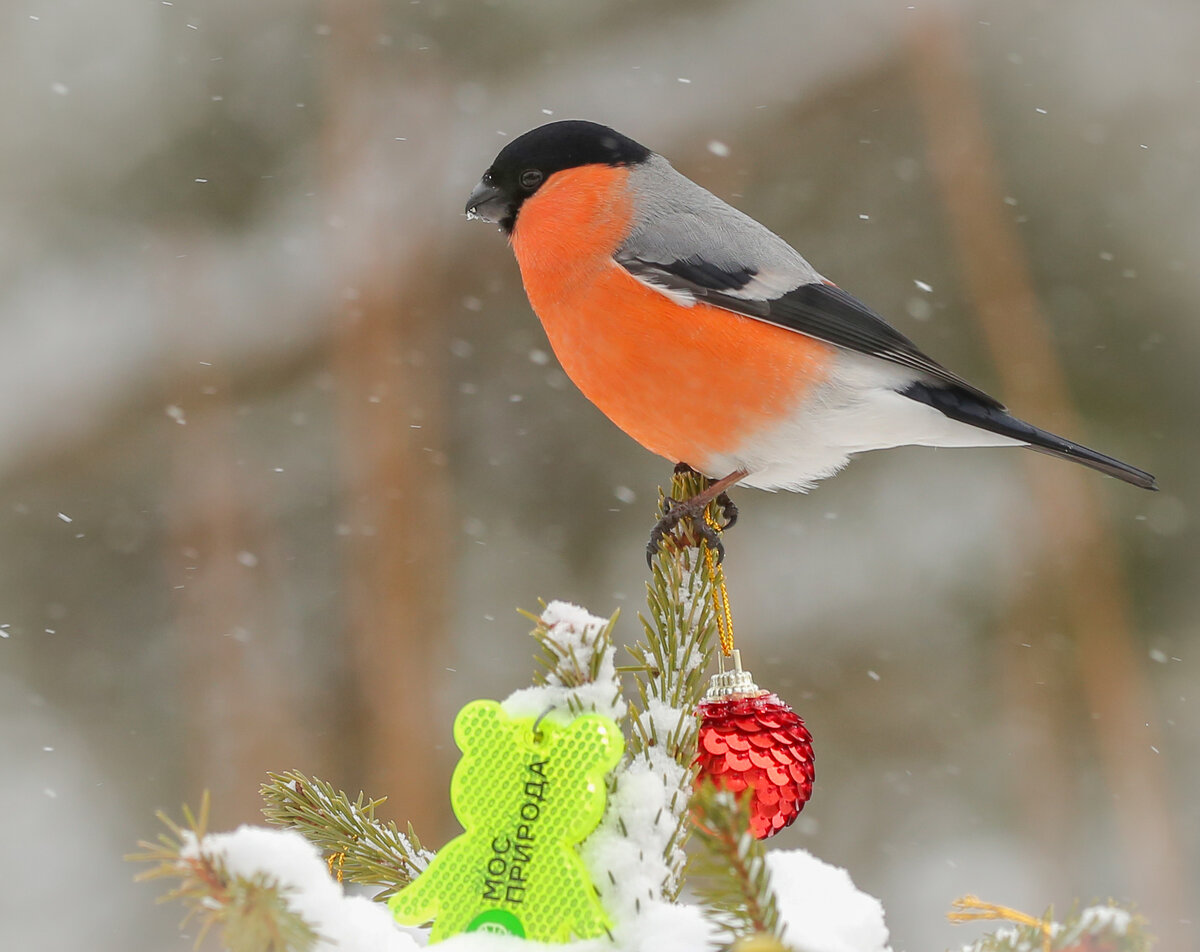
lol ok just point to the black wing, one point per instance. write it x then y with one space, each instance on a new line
957 405
823 311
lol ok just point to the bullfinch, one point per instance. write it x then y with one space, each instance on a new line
710 340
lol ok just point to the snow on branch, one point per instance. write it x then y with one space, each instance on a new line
265 890
578 659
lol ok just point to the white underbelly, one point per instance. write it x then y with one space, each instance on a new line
856 410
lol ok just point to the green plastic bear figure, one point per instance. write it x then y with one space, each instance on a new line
525 799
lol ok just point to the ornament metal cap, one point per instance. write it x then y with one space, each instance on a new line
732 683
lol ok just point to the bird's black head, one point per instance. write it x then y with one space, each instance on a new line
529 160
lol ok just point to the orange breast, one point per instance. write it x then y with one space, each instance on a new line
686 382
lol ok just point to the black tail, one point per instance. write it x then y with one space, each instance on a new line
963 406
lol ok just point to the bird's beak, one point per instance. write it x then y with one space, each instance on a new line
487 203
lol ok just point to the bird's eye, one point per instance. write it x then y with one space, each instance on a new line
531 179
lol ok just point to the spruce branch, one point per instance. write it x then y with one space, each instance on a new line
729 872
680 632
1100 928
357 846
575 652
252 911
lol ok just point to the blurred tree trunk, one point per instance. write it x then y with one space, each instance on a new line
387 347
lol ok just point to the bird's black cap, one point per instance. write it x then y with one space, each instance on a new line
567 144
526 162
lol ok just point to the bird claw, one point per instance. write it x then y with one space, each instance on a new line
729 512
676 510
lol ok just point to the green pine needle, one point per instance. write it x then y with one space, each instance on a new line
357 847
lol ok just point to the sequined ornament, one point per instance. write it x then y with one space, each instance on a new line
750 738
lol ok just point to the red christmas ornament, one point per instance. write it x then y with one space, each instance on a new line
750 738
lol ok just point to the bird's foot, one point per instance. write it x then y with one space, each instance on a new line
677 510
692 509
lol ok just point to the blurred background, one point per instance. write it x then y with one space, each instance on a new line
282 446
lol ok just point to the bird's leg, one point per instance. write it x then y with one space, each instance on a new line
679 509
